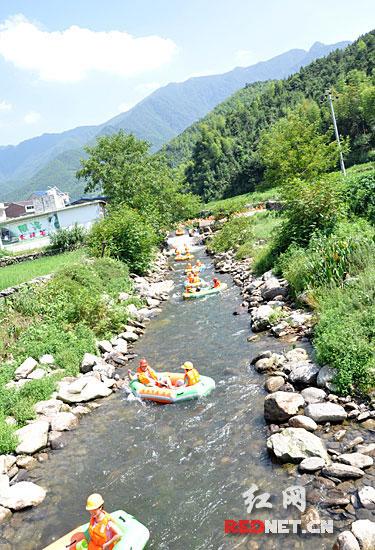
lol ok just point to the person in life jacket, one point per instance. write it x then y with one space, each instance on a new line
103 532
190 289
148 377
191 377
189 267
215 283
198 263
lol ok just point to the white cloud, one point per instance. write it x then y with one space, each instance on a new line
70 55
31 117
126 106
5 106
148 87
244 58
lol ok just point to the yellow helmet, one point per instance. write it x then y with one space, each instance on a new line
188 365
94 501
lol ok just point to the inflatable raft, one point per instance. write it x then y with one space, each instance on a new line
204 292
176 395
134 535
184 258
196 285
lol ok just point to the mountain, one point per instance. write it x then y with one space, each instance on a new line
219 154
51 159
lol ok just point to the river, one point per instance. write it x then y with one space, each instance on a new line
180 469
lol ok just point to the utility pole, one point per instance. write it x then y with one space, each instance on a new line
342 165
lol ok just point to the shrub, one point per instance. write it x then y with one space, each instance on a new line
233 234
127 237
8 440
360 193
68 239
311 207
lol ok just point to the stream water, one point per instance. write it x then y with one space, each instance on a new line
182 469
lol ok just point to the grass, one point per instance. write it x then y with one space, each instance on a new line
24 271
225 207
64 317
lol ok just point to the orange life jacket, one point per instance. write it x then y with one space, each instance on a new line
98 532
192 377
216 284
145 376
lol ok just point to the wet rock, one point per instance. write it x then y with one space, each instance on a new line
21 495
274 383
335 498
364 531
55 440
63 421
366 496
310 465
80 410
105 346
303 374
264 365
310 517
25 369
339 435
287 387
363 416
301 421
264 355
342 471
353 443
295 444
326 412
280 406
27 462
369 424
325 377
5 514
346 541
356 459
32 437
48 407
272 288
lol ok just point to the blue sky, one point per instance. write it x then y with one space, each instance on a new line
66 63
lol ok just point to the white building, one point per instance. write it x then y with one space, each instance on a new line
50 200
33 231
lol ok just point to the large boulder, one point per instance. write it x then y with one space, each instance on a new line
105 346
303 374
364 531
366 497
326 412
342 471
301 421
22 495
325 378
346 541
64 421
260 318
313 395
295 444
272 288
120 345
274 383
356 459
32 437
48 407
280 406
25 369
92 389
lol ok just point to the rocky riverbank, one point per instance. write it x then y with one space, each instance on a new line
327 440
100 376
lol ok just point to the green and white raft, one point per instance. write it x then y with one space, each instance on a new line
204 292
173 395
134 535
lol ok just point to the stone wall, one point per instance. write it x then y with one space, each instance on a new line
10 260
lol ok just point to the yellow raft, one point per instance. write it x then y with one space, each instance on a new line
184 258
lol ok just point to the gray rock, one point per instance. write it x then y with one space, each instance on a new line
303 374
37 374
295 444
21 495
326 412
366 449
129 336
63 421
364 531
25 369
356 459
88 362
260 318
105 346
104 370
48 407
366 496
342 471
264 355
92 390
272 288
264 365
46 359
310 465
274 383
301 421
296 355
121 346
132 311
280 406
325 378
27 462
123 296
346 541
32 437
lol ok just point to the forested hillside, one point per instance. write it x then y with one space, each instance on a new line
221 155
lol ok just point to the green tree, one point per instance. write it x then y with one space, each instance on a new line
295 147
